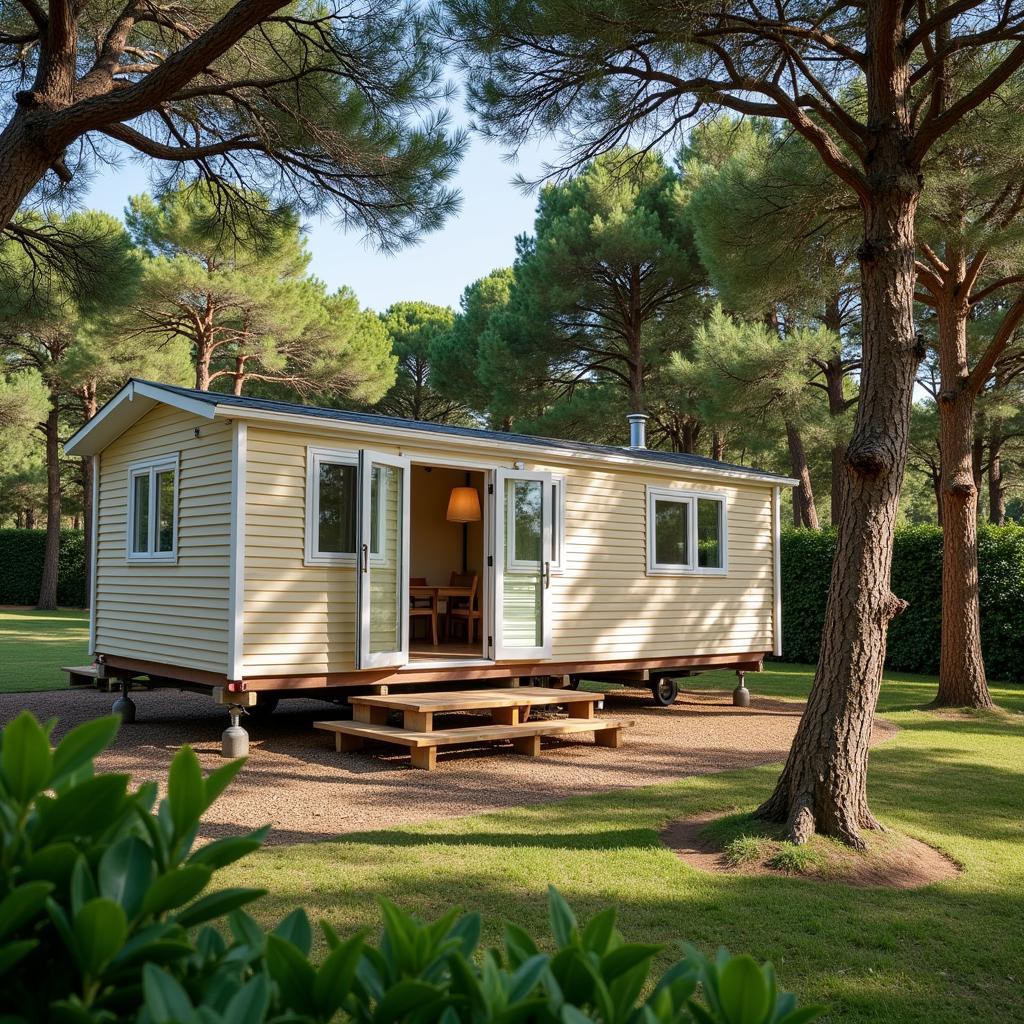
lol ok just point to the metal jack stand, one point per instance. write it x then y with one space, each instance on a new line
234 741
741 695
124 705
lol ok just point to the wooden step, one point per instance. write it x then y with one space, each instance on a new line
525 736
81 675
474 700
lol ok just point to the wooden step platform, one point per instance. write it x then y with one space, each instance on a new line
81 675
509 710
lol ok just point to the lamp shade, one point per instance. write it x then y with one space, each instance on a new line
464 505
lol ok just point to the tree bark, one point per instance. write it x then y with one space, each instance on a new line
834 377
996 486
89 406
51 555
823 786
717 445
805 513
961 665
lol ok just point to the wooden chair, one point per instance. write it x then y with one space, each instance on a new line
421 607
463 609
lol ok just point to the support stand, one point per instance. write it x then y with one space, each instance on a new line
234 741
741 695
124 705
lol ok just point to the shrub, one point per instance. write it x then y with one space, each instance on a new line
914 636
106 914
21 555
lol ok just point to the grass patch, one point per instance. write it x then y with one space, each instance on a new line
34 644
746 851
941 955
795 860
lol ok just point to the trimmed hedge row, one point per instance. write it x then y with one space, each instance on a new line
21 567
917 578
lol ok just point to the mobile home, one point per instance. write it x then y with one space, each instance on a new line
247 546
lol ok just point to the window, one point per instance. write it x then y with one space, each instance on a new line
153 510
524 510
686 533
332 507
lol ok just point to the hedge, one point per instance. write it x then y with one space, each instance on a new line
21 567
917 578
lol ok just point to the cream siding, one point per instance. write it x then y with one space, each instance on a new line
175 614
300 619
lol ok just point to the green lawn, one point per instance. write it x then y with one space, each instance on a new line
949 953
34 645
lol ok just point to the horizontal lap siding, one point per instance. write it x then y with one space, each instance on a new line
173 614
301 619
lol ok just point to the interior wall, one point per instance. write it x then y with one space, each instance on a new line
435 547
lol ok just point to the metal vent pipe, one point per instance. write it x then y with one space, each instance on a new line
637 429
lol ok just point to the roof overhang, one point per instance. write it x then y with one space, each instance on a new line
127 407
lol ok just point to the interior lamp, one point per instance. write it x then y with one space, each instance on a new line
464 507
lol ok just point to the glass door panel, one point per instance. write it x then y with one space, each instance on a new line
383 559
523 538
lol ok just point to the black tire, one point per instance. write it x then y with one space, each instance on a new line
664 692
264 707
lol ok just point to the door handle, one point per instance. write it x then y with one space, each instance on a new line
366 558
547 575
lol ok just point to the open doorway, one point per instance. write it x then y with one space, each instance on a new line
447 598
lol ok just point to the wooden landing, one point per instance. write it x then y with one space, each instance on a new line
509 710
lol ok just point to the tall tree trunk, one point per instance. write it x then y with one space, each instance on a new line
996 487
30 519
238 377
203 356
51 554
803 494
717 445
961 665
89 405
823 786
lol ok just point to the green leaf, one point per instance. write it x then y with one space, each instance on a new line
176 888
518 944
561 918
87 809
100 930
571 1015
25 759
293 973
222 852
803 1015
82 744
335 976
126 872
186 792
409 994
250 1003
599 931
12 952
21 905
166 1001
219 779
217 904
83 885
625 958
295 928
743 991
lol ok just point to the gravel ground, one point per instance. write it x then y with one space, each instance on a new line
296 781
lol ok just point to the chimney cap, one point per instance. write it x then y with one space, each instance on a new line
637 429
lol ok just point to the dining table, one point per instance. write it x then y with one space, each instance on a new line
439 594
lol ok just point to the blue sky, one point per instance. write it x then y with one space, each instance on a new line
480 238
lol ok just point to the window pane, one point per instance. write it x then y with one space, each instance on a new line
165 510
140 513
377 484
709 533
527 516
555 513
671 522
336 533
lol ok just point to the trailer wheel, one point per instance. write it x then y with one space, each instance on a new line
264 707
665 692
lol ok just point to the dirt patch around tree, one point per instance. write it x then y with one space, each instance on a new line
739 844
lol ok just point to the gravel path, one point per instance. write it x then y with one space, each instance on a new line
295 780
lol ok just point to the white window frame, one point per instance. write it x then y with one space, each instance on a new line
555 565
688 498
150 468
315 457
